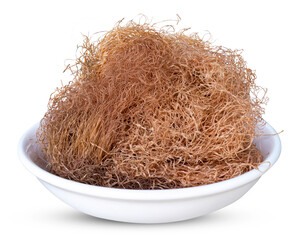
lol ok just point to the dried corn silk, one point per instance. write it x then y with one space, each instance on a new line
153 109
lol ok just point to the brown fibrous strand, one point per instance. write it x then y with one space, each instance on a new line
150 108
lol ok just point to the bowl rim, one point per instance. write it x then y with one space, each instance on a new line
157 194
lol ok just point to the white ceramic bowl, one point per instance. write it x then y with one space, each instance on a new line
146 206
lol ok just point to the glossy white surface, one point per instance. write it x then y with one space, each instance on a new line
147 206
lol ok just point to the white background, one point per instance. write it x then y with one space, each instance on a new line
37 37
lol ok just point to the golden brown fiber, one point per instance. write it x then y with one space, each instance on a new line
153 109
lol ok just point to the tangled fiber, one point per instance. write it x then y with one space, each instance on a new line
152 108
